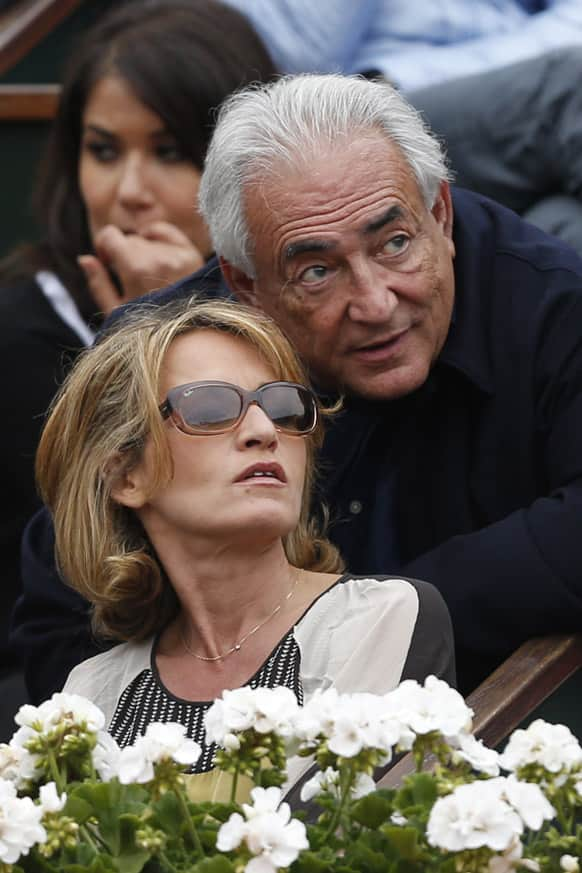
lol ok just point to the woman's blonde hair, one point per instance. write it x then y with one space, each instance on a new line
97 430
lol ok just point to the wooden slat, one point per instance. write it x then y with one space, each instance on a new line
522 683
512 692
26 23
28 102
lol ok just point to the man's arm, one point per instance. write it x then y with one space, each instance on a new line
521 576
426 63
50 623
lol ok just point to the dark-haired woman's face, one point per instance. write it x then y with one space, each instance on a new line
131 170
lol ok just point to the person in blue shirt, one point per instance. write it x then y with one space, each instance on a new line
497 79
450 327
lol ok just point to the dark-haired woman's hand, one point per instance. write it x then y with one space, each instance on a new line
159 255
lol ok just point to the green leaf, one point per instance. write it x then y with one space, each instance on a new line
363 858
424 790
310 862
372 810
78 808
217 864
168 813
405 841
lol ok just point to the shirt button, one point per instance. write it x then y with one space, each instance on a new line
355 507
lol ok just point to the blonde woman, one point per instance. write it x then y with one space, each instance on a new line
178 464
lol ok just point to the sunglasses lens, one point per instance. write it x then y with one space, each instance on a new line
291 408
206 408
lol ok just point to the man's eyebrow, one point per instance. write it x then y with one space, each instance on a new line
306 246
392 214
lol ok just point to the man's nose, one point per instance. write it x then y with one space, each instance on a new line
372 297
256 428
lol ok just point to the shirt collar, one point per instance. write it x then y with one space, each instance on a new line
466 347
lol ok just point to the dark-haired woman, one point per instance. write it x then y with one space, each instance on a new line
117 200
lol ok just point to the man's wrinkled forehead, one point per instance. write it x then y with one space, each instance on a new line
315 246
366 183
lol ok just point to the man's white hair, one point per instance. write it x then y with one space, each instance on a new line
289 121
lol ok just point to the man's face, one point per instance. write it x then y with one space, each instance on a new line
354 267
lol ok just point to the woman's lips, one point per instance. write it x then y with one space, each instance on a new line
262 473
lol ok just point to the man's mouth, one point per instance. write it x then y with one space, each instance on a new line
380 348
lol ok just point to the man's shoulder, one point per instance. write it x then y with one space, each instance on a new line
505 246
207 282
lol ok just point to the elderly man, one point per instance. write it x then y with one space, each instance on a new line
453 334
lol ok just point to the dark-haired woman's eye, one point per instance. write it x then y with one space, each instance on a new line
170 153
103 152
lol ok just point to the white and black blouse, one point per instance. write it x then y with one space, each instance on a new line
362 634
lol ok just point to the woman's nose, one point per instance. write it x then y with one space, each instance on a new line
256 428
133 190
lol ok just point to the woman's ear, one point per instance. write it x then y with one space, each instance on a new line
128 486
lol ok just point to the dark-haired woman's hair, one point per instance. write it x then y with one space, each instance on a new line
181 58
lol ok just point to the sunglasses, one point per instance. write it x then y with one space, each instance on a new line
205 408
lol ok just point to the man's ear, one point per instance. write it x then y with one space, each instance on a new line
128 486
241 285
442 212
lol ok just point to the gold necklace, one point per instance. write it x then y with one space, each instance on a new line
242 640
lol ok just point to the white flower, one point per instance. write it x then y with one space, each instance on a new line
326 780
17 764
432 707
61 708
569 863
160 742
318 716
105 756
50 800
231 833
275 710
552 746
265 800
350 723
511 859
268 831
472 816
477 755
232 713
275 841
20 824
529 801
363 785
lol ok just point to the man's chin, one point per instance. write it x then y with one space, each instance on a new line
388 385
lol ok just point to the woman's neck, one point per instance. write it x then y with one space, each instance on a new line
225 592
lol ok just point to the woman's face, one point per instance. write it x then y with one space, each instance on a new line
131 169
213 493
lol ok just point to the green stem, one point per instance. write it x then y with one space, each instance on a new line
234 784
167 864
189 823
55 772
89 837
345 790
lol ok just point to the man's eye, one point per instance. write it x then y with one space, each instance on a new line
101 151
314 274
396 244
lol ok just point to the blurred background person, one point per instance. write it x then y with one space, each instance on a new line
498 80
117 199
